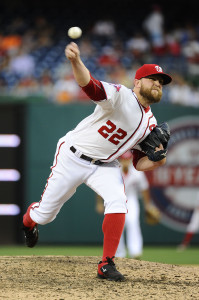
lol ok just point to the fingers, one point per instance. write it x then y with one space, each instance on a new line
159 148
72 51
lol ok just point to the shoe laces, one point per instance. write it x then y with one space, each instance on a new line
110 260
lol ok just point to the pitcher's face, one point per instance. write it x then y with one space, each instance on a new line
151 88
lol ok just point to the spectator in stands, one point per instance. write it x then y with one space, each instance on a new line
27 86
87 49
154 26
29 41
191 51
46 85
139 46
10 43
108 58
120 75
172 44
104 31
115 49
22 64
66 89
104 27
181 92
17 26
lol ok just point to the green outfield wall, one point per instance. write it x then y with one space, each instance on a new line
78 221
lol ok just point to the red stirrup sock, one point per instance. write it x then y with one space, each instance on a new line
187 238
27 221
112 228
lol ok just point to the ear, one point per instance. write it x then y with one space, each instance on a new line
137 83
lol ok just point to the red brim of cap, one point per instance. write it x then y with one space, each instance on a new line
166 78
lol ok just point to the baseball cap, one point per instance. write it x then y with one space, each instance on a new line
152 69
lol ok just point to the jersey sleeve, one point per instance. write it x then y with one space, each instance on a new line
111 89
107 95
95 90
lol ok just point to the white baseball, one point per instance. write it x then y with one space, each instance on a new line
74 32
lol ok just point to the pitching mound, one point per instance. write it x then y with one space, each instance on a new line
64 278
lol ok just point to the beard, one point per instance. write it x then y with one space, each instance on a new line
151 95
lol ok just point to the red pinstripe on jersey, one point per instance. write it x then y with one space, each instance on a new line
145 130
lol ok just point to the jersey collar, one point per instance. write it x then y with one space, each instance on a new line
146 109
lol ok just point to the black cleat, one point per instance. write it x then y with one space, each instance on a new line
110 272
31 235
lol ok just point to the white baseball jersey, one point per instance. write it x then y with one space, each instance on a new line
117 124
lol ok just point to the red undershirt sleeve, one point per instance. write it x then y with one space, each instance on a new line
136 156
95 90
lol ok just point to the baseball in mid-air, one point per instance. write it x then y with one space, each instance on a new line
74 32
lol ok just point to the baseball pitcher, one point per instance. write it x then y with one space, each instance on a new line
88 154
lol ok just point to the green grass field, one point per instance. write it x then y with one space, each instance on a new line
168 255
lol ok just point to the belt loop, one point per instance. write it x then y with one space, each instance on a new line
78 153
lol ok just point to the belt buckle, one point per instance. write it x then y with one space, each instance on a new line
98 162
93 161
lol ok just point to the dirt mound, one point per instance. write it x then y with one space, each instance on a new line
64 278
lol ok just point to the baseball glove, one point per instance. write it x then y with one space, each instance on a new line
159 135
152 215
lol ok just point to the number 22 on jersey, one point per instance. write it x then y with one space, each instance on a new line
111 132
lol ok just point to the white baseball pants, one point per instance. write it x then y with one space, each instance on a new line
70 171
194 223
134 239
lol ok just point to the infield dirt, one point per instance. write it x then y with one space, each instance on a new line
74 278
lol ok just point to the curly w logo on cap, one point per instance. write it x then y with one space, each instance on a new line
159 69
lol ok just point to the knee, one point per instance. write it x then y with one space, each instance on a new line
117 204
44 221
42 218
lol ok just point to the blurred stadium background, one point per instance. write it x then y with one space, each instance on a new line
40 102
